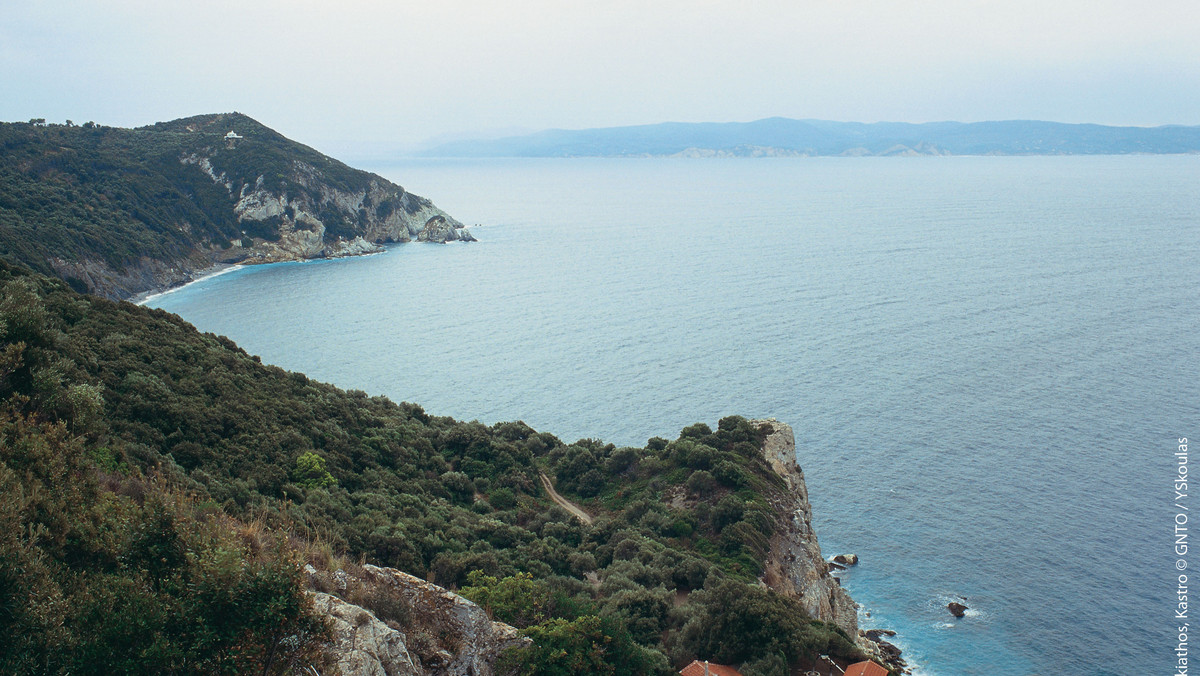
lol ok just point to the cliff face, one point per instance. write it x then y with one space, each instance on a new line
445 634
293 222
795 566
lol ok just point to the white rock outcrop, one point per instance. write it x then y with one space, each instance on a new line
364 646
446 634
381 213
478 640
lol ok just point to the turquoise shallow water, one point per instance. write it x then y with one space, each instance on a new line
986 360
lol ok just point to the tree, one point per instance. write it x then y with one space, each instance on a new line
518 600
587 645
737 622
310 472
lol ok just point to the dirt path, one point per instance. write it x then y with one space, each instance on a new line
563 502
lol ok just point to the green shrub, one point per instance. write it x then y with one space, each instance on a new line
772 664
701 483
518 600
503 498
310 472
735 622
587 645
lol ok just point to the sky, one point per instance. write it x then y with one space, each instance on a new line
352 75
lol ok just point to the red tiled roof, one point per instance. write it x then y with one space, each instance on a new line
865 669
696 668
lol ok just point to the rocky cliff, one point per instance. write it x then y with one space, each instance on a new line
468 642
441 633
794 565
295 220
364 645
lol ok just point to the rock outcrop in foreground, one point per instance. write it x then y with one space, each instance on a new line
364 645
445 635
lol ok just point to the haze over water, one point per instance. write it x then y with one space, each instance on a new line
987 361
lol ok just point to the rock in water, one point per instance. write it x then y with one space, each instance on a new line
956 609
846 559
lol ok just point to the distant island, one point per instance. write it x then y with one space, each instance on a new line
118 212
783 137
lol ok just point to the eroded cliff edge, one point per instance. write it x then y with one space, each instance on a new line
306 215
794 565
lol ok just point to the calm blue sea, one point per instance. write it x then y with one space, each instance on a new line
987 361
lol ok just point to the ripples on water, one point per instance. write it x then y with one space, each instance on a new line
986 360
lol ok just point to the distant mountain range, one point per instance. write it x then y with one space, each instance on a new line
783 137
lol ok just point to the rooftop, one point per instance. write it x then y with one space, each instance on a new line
697 668
866 669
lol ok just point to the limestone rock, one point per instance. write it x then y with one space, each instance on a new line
438 229
444 635
354 247
794 565
889 654
956 609
380 212
476 640
846 559
364 646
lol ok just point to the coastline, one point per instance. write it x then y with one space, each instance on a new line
219 269
874 645
201 276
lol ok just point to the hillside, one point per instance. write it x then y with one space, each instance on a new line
117 212
783 137
161 490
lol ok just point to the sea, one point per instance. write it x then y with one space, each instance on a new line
989 362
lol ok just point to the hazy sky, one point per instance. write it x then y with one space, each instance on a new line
340 75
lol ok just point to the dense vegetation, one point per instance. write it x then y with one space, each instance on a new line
149 472
107 568
112 197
